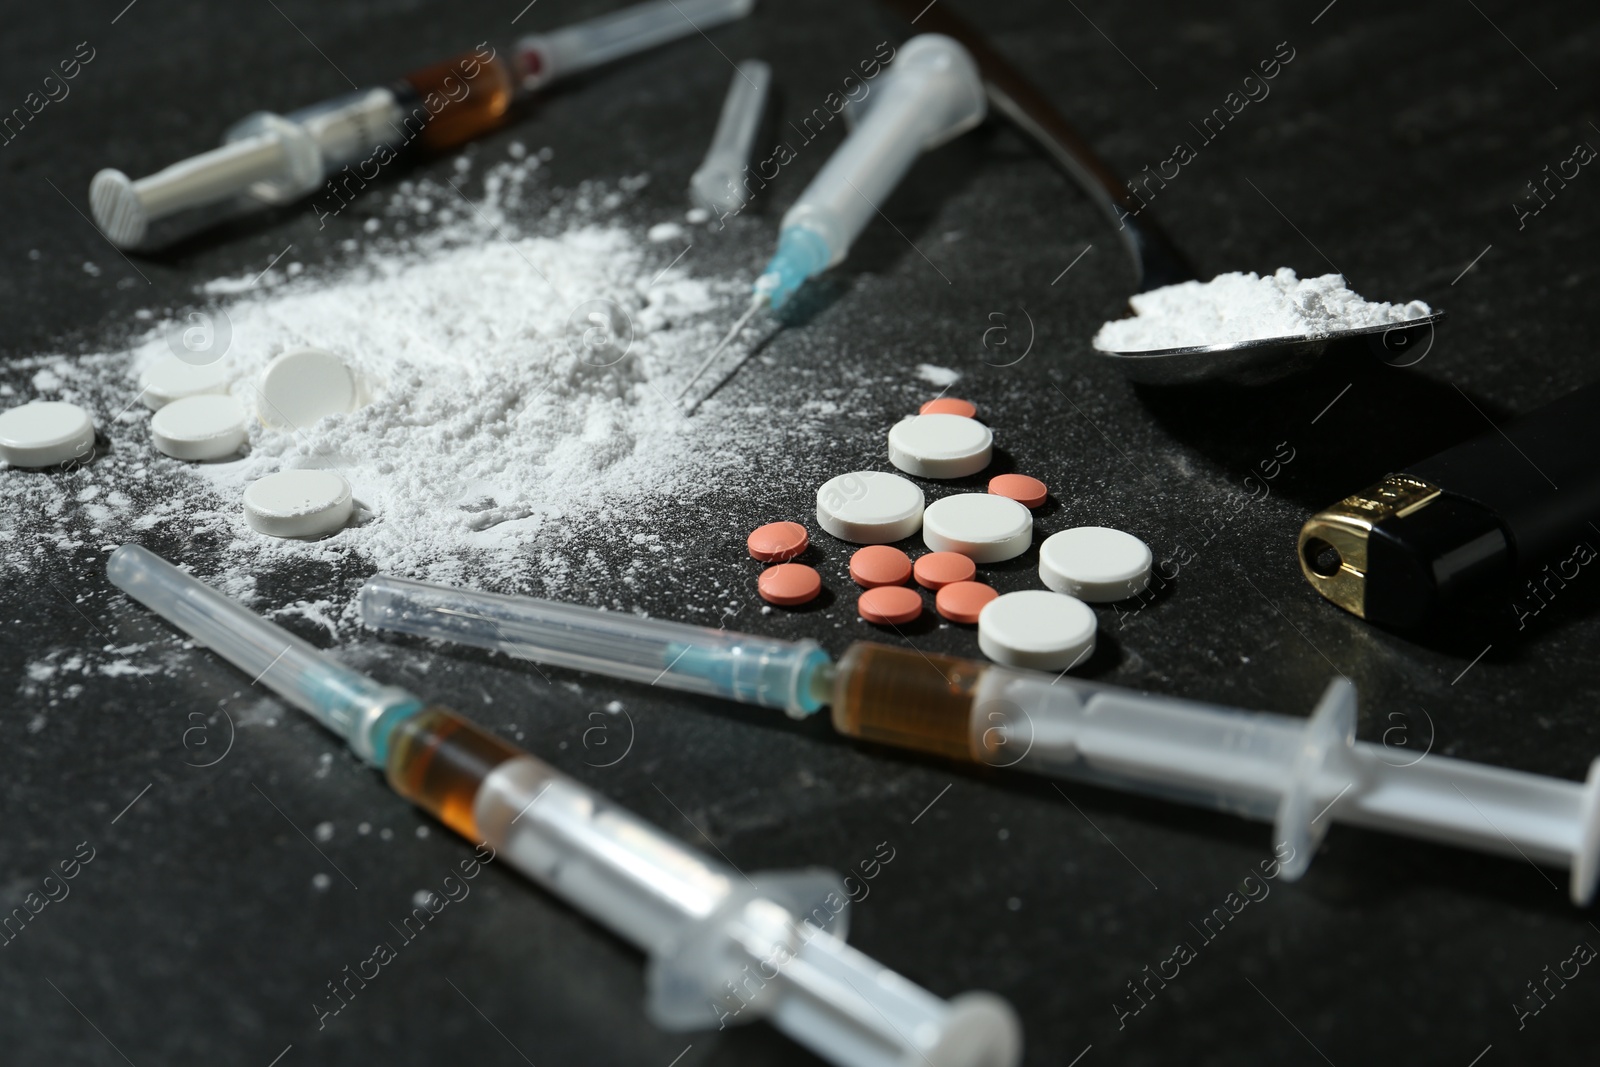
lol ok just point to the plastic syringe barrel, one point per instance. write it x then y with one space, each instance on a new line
791 675
572 49
264 159
345 701
1300 774
727 949
931 93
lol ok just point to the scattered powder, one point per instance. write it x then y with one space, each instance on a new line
520 355
936 375
109 661
1243 307
320 613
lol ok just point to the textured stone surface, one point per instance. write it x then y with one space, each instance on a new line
1393 145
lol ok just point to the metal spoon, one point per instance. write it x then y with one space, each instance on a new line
1156 260
1267 359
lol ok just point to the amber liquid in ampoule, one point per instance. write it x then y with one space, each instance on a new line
437 760
453 102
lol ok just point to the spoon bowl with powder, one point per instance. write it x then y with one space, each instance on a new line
1250 329
1237 327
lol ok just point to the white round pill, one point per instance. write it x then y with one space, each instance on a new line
984 527
302 386
869 507
298 503
172 379
1037 629
199 427
940 446
1095 563
45 433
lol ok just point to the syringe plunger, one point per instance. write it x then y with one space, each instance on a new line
1301 774
726 949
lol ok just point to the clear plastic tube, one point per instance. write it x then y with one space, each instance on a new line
716 185
792 675
568 51
1300 774
345 701
268 158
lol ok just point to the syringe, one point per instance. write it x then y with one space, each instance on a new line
268 159
1301 775
724 948
931 93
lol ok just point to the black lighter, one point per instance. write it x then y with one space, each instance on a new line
1520 504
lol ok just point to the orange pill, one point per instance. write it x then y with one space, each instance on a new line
1029 492
939 569
789 584
962 601
949 405
777 541
890 605
878 565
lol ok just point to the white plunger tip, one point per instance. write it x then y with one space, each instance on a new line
117 208
981 1031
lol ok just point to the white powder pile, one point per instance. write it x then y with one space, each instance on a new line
1246 307
503 432
498 406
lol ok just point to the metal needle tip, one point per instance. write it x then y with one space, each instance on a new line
755 305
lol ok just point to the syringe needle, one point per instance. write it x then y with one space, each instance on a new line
755 305
1302 774
934 92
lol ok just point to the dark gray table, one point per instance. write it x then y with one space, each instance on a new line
1394 145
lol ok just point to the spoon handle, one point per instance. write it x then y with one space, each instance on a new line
1156 259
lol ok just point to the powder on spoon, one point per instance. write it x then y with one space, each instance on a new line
1245 307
